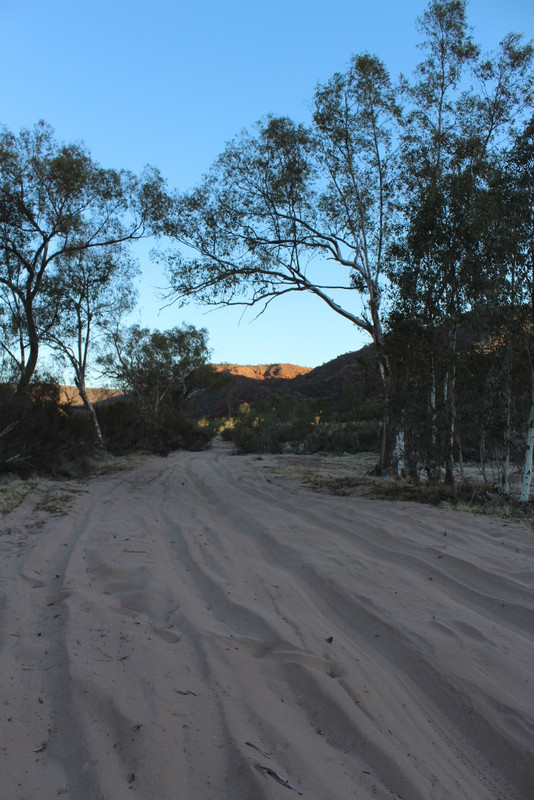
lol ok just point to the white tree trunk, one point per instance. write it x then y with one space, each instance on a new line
80 385
506 473
507 443
527 472
398 454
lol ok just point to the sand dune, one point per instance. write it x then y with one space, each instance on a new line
191 629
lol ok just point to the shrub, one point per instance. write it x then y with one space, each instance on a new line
346 437
40 436
284 422
125 428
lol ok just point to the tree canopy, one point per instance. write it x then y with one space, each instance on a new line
378 197
55 204
155 366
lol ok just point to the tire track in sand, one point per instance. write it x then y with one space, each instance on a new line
196 619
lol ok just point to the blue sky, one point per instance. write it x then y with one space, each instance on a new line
167 82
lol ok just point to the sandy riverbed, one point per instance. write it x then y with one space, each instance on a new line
191 630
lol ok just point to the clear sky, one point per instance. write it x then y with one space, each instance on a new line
168 82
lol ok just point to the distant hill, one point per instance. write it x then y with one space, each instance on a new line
263 371
70 395
251 383
329 379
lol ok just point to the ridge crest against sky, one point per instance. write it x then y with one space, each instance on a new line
169 83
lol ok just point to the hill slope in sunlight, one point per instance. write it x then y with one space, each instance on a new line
263 371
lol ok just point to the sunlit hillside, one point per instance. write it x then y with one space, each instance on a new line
70 395
263 371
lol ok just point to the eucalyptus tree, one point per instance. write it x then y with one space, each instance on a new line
90 292
515 289
502 288
56 203
156 367
13 339
523 157
461 108
289 208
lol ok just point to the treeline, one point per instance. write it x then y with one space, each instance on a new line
489 423
67 283
159 373
407 206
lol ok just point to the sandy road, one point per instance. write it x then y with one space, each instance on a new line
191 630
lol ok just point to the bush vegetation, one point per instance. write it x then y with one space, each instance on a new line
47 436
284 423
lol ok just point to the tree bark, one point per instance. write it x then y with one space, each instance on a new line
450 409
507 440
80 385
529 447
28 368
483 455
385 374
433 469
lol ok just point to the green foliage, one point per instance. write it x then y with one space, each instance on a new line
159 368
284 423
56 204
348 437
491 385
126 429
386 182
361 400
48 438
294 208
460 252
41 436
272 423
161 373
45 437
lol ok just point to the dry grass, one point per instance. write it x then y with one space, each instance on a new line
57 501
329 473
105 463
13 490
349 475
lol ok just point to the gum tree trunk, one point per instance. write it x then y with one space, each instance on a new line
529 446
80 385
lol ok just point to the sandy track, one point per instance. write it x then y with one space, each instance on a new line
191 629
